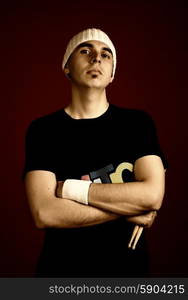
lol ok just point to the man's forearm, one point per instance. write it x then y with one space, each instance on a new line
64 213
145 219
133 198
51 211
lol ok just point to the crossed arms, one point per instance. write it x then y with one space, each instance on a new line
135 200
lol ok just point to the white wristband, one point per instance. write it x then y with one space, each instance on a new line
76 190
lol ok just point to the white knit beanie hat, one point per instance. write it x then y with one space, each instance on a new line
89 35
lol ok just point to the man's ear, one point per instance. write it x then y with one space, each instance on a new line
67 72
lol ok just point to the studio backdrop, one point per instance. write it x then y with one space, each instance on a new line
150 38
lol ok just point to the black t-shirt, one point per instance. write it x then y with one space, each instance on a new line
105 148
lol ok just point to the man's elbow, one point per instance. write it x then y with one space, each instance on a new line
42 216
39 220
155 200
45 219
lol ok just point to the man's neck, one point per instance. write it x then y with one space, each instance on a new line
87 103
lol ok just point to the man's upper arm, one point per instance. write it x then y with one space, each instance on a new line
40 188
150 169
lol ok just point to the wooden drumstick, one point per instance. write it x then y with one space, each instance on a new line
136 228
138 234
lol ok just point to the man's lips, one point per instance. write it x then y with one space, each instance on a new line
96 71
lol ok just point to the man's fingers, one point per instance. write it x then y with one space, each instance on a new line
152 217
85 177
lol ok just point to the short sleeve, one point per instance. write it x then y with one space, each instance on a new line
147 142
38 154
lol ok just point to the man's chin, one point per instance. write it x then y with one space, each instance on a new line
96 83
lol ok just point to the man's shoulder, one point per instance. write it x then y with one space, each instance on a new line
50 119
131 113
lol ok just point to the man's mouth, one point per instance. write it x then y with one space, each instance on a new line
94 71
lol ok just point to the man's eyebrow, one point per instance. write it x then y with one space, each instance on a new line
89 45
85 45
107 49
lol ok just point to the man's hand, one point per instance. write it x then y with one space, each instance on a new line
145 220
141 221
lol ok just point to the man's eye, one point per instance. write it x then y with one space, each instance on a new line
85 51
105 55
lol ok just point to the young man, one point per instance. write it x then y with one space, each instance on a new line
93 171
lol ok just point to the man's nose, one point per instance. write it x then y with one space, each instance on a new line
95 58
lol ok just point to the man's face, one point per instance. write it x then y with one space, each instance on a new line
90 65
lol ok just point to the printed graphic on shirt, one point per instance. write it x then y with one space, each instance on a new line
110 174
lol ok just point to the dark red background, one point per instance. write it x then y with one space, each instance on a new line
150 38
